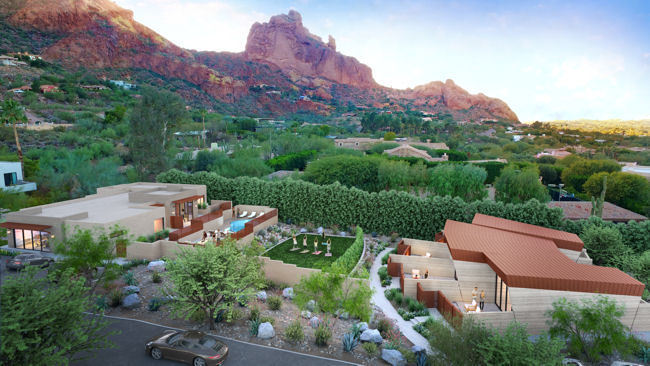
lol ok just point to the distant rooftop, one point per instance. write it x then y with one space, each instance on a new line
576 210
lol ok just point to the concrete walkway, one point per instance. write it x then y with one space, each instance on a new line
378 298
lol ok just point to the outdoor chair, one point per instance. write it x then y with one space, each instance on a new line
251 215
243 214
260 214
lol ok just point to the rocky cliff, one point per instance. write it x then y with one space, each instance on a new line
281 55
285 42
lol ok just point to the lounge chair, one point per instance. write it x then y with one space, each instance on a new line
260 214
251 215
226 231
243 214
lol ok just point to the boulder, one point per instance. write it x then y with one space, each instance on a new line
343 233
303 230
131 301
158 266
363 326
311 305
417 349
288 293
305 314
314 322
319 230
130 290
371 335
342 314
393 357
261 296
265 331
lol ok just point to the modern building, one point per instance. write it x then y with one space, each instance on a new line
411 152
521 268
12 178
580 210
364 143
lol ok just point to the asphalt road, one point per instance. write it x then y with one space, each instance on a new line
130 350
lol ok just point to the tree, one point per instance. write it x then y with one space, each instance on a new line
630 191
592 327
333 290
151 124
576 174
390 136
84 251
44 322
605 245
12 113
205 159
211 278
115 116
519 186
456 180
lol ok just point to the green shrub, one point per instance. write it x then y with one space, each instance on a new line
274 302
233 315
129 279
322 334
156 277
370 348
154 304
383 325
355 329
267 319
197 316
253 327
254 312
294 332
8 253
101 304
115 297
383 273
384 259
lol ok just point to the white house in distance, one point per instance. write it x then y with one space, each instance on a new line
11 178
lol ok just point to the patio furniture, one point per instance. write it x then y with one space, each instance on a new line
251 215
260 214
243 214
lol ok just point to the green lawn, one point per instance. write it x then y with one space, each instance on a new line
282 251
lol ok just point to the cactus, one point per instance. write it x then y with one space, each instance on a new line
254 327
597 203
421 359
349 342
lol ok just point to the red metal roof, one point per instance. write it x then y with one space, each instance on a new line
576 210
18 225
562 239
533 262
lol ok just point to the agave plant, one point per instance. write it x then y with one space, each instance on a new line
421 358
355 330
349 342
254 327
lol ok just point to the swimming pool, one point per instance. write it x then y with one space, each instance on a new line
235 226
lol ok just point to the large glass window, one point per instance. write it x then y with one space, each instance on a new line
18 239
27 235
10 179
502 295
33 240
158 225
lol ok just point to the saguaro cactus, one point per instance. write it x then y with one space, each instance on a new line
597 203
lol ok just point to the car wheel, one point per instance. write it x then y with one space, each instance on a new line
156 353
199 362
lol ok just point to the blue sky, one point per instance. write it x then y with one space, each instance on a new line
547 60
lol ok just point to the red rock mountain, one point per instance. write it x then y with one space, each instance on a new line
281 56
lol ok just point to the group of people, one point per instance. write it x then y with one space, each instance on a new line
316 251
215 236
475 293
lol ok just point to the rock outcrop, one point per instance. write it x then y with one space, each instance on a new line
285 42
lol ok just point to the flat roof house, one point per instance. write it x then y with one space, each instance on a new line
11 177
522 268
580 210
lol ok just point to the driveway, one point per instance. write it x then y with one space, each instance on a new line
129 350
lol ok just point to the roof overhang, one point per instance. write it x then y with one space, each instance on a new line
18 225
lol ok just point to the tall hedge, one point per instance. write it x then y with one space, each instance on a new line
350 258
383 212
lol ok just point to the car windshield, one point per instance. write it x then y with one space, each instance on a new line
21 257
210 342
174 338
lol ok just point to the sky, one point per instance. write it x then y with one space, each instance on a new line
548 60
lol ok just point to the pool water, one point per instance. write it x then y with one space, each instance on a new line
235 226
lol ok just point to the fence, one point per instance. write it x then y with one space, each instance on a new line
403 249
449 310
394 269
428 298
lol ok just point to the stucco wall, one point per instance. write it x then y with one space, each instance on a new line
471 274
437 267
421 247
642 318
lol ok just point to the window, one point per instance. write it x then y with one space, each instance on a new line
11 179
33 240
502 295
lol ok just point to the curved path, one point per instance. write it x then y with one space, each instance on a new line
378 298
129 350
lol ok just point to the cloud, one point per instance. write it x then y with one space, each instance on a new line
582 72
202 25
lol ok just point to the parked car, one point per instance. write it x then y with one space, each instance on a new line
193 347
34 259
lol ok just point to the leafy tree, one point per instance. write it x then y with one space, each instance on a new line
115 116
576 174
518 186
205 159
211 278
352 171
44 322
292 161
390 136
84 251
333 290
605 245
393 174
592 327
456 180
546 159
379 148
550 174
630 191
12 113
152 122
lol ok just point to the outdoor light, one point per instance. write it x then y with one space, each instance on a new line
428 255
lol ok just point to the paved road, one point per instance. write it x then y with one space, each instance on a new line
130 350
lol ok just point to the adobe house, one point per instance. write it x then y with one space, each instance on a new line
522 268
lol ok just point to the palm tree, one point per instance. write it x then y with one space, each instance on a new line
13 113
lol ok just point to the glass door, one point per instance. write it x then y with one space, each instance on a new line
501 295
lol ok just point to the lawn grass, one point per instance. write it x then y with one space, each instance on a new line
282 251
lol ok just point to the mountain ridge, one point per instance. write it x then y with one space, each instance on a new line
282 53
